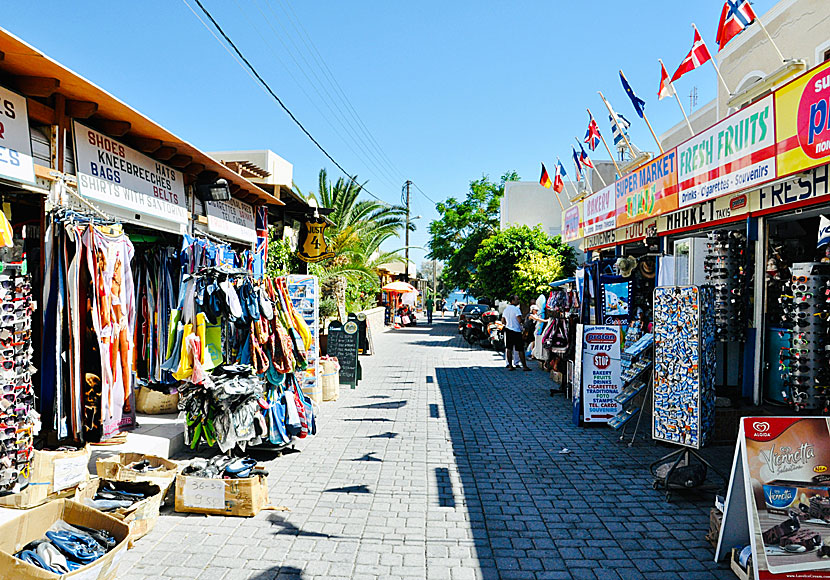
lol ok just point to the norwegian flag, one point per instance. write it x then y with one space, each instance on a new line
261 251
592 136
696 57
584 159
559 178
666 88
735 16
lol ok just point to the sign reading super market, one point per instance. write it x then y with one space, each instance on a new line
735 154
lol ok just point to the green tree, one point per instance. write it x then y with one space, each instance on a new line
534 273
463 224
497 259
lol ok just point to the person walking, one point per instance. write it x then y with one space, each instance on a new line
455 308
429 305
512 318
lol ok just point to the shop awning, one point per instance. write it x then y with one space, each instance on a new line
562 282
35 75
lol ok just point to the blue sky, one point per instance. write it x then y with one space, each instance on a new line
447 90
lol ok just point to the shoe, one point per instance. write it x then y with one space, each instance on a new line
511 368
80 547
527 369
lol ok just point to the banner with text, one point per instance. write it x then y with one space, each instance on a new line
119 176
732 155
16 161
232 218
600 211
648 191
600 373
572 223
707 213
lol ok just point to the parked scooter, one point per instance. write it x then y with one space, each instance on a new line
473 331
494 330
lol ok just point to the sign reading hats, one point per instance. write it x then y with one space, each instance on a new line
312 245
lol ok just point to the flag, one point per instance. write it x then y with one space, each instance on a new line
735 16
639 104
261 248
545 181
696 57
583 157
592 136
577 165
618 126
666 88
558 178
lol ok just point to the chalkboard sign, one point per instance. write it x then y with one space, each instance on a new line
342 343
363 339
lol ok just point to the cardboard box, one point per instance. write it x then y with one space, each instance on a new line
780 495
34 524
715 521
152 402
115 468
141 516
743 573
225 497
54 474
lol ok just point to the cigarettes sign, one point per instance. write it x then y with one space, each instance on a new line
600 373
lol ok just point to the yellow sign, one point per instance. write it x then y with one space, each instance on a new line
312 246
802 121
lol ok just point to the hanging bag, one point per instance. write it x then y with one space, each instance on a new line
559 341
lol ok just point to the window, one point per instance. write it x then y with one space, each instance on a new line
826 56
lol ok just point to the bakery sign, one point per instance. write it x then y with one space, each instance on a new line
232 219
600 211
16 162
119 176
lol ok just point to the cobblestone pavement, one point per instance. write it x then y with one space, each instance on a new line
443 465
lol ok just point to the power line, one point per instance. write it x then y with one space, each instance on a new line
424 194
274 95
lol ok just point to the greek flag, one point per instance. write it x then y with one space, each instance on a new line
622 123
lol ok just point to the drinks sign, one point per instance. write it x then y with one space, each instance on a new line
648 191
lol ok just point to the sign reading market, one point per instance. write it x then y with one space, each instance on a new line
112 173
648 191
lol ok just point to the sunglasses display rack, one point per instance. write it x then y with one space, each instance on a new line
19 422
635 362
725 268
804 369
684 357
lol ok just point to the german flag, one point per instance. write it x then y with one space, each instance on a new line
545 181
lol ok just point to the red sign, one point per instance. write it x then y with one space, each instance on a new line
813 117
602 361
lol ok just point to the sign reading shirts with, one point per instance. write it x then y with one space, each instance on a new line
16 161
802 121
312 245
600 373
600 211
648 191
572 223
232 218
735 154
119 176
780 469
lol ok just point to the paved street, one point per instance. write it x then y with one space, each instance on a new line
442 465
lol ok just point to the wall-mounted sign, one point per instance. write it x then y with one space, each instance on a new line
732 155
703 214
312 245
811 185
114 174
635 231
572 223
16 161
802 121
608 238
648 191
600 211
232 218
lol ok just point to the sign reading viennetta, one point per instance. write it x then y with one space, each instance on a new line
112 173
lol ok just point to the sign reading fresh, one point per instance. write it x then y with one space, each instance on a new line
648 191
15 142
735 154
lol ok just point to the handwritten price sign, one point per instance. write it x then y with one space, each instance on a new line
204 493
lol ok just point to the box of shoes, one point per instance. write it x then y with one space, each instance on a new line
138 467
226 497
141 515
19 533
53 474
153 402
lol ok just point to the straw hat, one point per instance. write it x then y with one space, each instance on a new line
625 266
647 269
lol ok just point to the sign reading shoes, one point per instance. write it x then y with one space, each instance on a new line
15 141
112 173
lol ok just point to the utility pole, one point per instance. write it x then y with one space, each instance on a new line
406 234
434 271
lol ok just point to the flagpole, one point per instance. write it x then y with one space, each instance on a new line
617 123
676 96
607 148
563 179
771 41
714 64
645 118
562 207
594 168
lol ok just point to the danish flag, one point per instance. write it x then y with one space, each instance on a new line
666 88
735 16
696 57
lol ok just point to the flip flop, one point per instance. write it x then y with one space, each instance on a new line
32 558
80 547
240 468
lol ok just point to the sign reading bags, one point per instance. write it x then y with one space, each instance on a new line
600 211
120 176
16 161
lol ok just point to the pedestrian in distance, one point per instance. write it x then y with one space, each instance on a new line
455 308
512 318
429 305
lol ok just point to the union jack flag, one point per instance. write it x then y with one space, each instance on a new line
592 136
261 250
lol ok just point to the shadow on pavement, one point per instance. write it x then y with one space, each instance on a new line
361 488
384 405
286 528
279 573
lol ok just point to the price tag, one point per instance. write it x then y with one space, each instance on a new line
69 471
200 492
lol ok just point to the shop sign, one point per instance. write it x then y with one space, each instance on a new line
802 121
648 191
600 373
232 218
702 214
600 211
572 223
732 155
635 231
312 245
604 239
16 163
808 185
112 173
